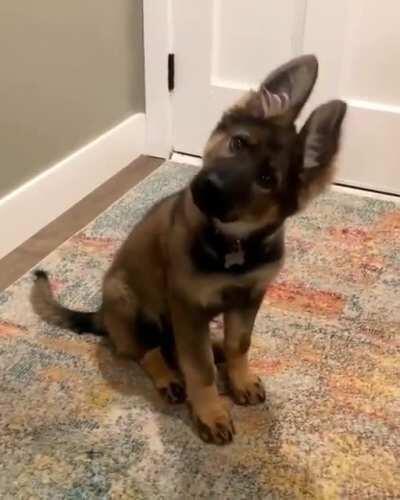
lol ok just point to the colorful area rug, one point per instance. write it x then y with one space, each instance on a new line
77 424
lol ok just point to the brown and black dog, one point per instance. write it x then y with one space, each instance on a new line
213 248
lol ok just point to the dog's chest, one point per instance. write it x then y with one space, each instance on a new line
227 276
222 292
235 297
214 253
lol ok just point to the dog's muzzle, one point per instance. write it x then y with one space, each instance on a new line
219 194
211 195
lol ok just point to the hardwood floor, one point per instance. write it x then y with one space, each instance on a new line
23 258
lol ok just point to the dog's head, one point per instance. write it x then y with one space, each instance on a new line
258 169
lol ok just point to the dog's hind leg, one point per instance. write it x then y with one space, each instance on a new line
165 379
120 331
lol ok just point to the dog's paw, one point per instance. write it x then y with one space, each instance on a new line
249 391
174 392
215 426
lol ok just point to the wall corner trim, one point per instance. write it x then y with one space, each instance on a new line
30 207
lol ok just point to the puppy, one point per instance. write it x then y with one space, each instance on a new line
213 248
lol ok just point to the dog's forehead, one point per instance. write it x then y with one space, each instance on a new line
239 118
256 131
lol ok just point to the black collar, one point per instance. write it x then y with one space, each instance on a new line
215 251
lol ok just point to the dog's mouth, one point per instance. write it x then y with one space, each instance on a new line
213 207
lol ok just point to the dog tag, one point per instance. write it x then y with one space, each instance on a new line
235 258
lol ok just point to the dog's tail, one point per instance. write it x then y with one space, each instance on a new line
46 306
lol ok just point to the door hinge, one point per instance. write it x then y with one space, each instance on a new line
171 72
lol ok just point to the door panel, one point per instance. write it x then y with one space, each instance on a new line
357 44
269 26
224 47
371 70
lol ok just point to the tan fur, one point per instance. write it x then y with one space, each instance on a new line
119 328
238 370
245 385
244 101
217 144
252 102
211 412
155 366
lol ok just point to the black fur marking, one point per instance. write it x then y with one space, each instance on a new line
210 248
175 393
223 187
151 334
84 322
79 322
234 298
168 346
289 200
40 274
147 331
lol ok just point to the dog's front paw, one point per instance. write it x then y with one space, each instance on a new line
248 391
214 424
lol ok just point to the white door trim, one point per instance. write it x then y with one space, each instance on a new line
158 43
36 203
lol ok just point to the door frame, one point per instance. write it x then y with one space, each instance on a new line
158 43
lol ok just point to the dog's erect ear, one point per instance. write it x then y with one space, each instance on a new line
320 134
319 143
285 91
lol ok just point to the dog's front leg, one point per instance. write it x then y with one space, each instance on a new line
210 412
246 387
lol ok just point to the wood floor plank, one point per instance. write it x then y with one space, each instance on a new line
23 258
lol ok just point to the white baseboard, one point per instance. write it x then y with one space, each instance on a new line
33 205
187 159
364 192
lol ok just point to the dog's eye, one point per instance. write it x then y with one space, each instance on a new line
266 180
238 143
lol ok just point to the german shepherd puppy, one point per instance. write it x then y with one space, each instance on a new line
213 248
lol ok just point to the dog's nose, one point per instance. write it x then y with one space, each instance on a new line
210 193
213 184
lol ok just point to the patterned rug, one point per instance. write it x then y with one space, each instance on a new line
77 424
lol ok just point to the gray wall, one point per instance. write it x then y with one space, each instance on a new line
69 71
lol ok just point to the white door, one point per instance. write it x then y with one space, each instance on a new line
223 47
